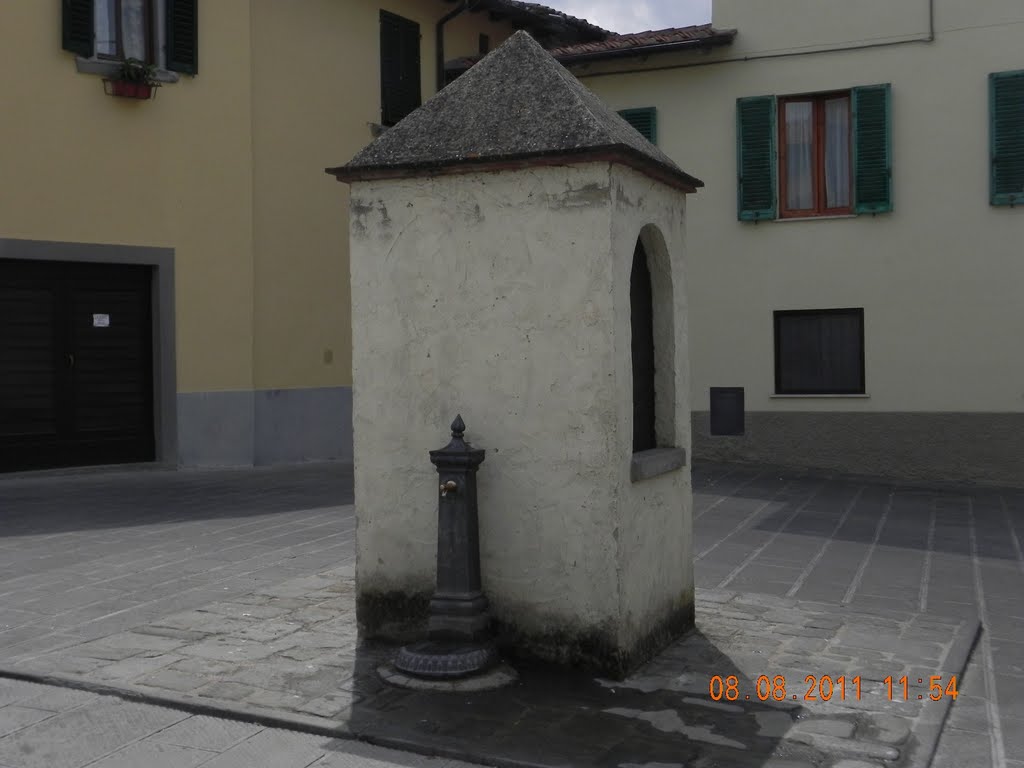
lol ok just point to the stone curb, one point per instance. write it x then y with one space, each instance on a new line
933 718
834 745
245 713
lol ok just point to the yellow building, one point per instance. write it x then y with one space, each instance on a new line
174 269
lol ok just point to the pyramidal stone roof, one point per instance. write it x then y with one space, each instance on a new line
516 108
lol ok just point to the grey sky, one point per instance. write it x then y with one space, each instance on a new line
636 15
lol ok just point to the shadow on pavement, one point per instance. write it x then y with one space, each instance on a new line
555 717
917 516
55 504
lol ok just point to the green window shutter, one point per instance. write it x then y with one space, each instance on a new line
645 120
872 149
756 157
1006 120
77 29
183 36
399 67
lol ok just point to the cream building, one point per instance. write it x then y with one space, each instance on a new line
174 270
856 258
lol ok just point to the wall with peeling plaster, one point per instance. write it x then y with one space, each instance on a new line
655 555
505 297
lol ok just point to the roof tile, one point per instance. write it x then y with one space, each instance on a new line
517 103
654 37
637 43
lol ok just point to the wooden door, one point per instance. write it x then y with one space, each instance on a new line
76 383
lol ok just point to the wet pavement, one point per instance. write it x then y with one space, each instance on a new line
100 571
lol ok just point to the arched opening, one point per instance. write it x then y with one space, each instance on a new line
653 325
641 308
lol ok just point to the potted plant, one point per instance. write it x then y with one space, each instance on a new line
134 80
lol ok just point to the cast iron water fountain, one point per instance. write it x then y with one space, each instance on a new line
458 641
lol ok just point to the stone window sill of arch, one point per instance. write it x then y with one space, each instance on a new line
111 68
656 462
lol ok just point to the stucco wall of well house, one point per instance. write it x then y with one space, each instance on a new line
446 342
218 184
655 520
505 297
938 278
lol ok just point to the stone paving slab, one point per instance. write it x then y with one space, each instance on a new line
289 654
78 729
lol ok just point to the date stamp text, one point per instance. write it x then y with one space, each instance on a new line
827 688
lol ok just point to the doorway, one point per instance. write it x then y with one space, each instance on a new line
76 364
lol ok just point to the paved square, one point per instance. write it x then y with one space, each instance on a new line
134 577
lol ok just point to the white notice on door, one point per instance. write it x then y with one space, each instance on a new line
101 321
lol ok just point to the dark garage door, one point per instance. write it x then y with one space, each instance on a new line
76 383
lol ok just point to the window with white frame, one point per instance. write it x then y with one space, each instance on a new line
159 32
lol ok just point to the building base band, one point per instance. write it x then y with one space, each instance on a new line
985 448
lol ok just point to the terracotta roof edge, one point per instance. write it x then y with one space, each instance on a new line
716 38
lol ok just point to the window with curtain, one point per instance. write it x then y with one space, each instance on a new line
124 29
164 33
822 154
815 172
